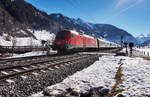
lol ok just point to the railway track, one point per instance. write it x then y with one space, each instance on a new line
9 62
31 61
39 64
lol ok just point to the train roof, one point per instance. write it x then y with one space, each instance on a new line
77 33
88 36
74 32
106 41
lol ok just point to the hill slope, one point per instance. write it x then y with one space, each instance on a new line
18 14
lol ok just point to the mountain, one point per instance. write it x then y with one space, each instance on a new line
146 43
107 31
143 38
69 23
17 15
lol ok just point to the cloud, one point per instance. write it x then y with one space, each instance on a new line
122 3
126 4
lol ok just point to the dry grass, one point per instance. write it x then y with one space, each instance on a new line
4 55
118 77
146 58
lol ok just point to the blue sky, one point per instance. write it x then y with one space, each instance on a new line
130 15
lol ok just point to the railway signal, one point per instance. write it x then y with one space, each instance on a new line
131 44
121 40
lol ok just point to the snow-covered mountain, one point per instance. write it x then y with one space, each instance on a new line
146 43
143 38
83 23
107 31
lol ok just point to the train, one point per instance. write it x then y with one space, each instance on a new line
70 41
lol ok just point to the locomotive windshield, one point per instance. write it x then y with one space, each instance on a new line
61 35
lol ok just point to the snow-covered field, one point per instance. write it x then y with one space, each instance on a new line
145 51
136 76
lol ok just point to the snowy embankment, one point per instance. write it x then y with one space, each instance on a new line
135 79
6 40
33 53
19 41
44 35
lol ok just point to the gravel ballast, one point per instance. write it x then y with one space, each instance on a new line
35 83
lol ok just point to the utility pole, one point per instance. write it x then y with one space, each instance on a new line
125 44
121 40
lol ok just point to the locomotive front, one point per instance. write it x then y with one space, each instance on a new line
60 42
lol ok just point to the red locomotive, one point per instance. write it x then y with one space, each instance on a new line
69 40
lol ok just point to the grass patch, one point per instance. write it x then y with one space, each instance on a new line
118 77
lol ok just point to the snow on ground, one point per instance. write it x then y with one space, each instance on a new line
3 42
145 51
27 41
44 35
136 76
33 53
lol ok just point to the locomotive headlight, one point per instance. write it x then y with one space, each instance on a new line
66 42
